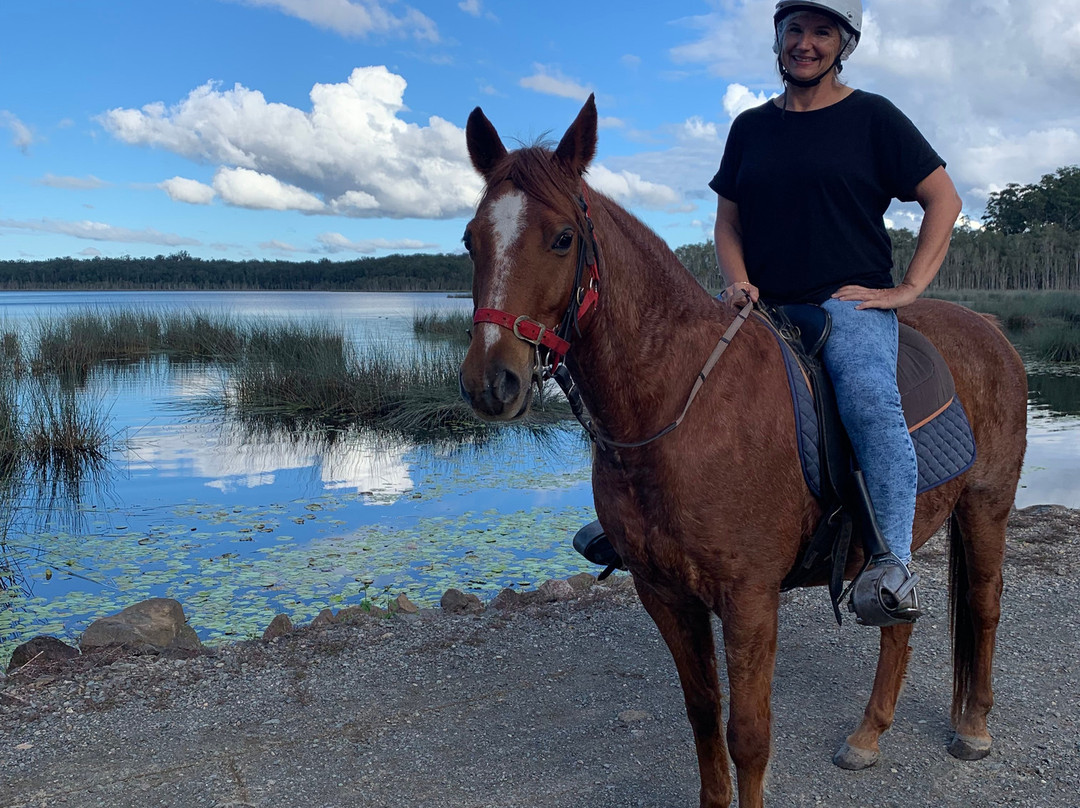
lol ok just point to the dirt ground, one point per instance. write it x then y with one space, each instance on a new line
563 704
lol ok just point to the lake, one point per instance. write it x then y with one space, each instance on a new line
239 526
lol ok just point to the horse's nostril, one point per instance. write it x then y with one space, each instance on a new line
506 387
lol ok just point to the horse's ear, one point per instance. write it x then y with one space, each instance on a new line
578 146
485 147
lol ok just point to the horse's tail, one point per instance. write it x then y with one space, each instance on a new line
962 626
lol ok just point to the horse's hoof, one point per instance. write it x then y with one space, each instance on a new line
964 747
853 759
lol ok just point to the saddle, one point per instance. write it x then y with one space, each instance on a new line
940 431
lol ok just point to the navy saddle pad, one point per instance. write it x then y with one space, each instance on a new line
935 417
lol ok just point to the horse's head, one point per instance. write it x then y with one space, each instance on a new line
528 241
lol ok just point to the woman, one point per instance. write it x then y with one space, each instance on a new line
803 187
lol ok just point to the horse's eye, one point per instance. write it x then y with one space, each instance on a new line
467 240
564 241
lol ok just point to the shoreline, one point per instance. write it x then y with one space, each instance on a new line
553 704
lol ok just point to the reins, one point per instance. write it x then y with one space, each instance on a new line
585 298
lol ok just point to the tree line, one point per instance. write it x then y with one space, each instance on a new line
180 271
1030 240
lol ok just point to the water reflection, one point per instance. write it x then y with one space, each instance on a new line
1055 389
228 454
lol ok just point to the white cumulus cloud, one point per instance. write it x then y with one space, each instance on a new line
629 189
251 189
181 189
350 153
356 18
336 243
738 99
551 81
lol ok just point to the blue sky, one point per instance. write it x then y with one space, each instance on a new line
334 128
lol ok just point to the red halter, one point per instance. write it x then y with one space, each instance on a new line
585 296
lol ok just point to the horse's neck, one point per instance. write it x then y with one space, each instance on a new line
650 326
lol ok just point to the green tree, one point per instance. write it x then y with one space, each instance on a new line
1054 200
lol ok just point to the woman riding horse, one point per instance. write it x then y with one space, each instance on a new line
803 186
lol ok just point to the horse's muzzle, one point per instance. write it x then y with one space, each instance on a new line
500 395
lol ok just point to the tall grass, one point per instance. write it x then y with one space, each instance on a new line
1043 325
73 345
437 324
306 371
311 372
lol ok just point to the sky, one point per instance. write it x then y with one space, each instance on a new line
309 129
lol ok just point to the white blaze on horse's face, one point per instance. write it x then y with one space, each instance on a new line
506 218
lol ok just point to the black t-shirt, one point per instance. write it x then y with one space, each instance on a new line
812 190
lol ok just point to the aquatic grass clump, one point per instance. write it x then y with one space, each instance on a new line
1042 325
62 430
438 324
294 368
198 335
1054 341
311 372
73 345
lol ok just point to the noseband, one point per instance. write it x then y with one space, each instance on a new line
583 299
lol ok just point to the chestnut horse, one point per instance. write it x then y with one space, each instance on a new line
710 517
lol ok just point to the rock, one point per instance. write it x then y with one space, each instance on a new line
355 614
582 582
41 651
402 605
552 591
454 601
155 626
323 619
280 626
507 599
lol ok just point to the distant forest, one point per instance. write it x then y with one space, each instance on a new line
1030 240
394 273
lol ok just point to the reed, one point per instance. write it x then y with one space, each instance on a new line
313 374
1042 325
437 324
201 336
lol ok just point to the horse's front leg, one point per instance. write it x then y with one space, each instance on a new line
749 620
686 627
860 750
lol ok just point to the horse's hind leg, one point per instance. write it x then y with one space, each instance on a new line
687 629
860 750
976 554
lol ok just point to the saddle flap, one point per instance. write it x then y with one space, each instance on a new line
925 381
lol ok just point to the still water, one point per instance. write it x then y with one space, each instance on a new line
239 526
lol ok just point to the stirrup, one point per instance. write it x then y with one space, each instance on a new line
593 544
884 593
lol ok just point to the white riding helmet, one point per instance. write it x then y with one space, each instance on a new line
847 12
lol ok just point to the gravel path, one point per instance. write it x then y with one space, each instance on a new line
565 704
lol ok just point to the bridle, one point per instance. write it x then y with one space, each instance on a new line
585 299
